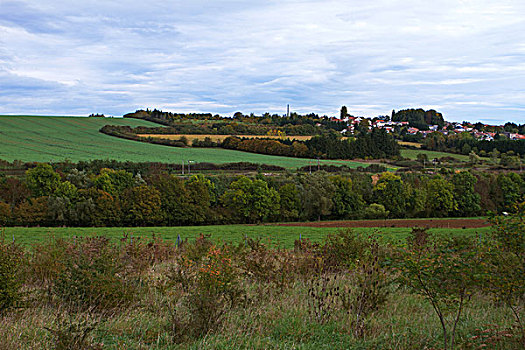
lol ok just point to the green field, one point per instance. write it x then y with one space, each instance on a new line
53 139
282 236
412 154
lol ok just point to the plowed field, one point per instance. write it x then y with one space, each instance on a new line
430 223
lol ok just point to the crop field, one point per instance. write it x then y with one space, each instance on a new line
411 144
278 235
216 138
52 139
412 154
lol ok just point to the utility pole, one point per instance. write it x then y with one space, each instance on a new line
183 167
288 111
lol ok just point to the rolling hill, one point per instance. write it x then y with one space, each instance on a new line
52 139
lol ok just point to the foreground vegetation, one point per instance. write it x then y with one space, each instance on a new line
349 291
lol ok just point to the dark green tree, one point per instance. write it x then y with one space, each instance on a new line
42 180
251 200
344 112
440 197
290 203
142 206
466 198
316 192
390 192
347 202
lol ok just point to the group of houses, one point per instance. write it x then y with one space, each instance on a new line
447 129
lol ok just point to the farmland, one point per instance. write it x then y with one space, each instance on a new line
407 153
52 139
221 138
278 235
412 154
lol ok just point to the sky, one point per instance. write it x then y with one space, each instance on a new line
464 58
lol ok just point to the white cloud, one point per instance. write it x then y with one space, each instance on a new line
465 57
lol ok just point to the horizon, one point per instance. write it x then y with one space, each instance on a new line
231 116
464 59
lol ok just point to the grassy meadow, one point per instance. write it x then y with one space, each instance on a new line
97 294
412 154
281 236
52 139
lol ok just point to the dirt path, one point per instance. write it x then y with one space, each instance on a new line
430 223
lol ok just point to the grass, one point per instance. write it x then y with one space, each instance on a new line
276 321
412 154
282 236
52 139
267 315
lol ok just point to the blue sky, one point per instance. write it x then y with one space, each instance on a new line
465 58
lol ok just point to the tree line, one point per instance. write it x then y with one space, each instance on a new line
109 197
239 124
419 118
376 144
464 143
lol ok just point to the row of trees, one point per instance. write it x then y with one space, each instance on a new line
465 142
176 123
266 119
117 197
419 118
375 144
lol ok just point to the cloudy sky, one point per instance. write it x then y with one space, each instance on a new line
465 58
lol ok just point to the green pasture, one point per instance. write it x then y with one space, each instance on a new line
53 139
412 154
282 236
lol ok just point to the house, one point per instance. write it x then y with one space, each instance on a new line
516 137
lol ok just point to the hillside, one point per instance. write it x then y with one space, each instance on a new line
51 139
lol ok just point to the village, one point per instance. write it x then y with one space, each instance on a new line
479 131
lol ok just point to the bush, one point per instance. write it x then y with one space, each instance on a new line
71 333
269 266
210 287
92 277
446 274
369 293
47 261
341 250
11 259
376 211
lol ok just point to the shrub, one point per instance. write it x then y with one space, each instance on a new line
210 287
376 211
138 254
323 297
368 295
504 263
342 249
11 259
269 266
47 261
445 274
91 277
71 333
216 289
369 289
